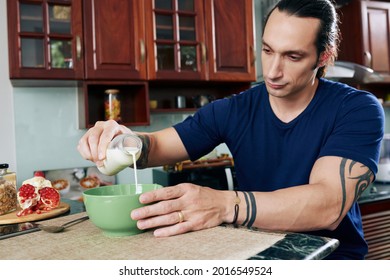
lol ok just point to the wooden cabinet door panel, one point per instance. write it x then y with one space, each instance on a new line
365 30
230 40
114 39
376 32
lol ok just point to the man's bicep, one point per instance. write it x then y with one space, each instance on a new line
346 179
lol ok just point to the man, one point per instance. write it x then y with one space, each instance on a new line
304 148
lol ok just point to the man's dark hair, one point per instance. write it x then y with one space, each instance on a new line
329 34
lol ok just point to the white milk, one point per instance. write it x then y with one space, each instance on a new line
134 152
117 160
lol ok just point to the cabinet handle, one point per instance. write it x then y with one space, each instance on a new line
78 47
368 59
204 52
254 57
142 50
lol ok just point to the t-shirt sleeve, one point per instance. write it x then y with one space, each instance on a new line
358 130
202 132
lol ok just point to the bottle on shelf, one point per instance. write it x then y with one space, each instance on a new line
112 105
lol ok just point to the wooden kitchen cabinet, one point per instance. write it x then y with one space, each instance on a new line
192 40
75 39
230 40
114 40
376 226
134 98
115 57
175 39
200 40
188 46
45 39
365 29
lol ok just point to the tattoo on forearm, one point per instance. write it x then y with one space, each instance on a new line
363 181
251 209
142 161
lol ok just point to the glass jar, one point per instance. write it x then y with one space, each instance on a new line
122 152
112 105
8 197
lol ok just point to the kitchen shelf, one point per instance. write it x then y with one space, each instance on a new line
134 102
165 94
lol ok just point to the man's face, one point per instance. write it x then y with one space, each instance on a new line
289 54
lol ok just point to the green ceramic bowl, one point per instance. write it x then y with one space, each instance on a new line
109 207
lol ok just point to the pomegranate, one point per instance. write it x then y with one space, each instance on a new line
50 197
27 196
37 195
39 174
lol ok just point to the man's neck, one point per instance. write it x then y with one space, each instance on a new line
289 107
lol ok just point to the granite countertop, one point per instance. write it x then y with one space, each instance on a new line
243 243
296 246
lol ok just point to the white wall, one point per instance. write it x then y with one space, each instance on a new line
7 122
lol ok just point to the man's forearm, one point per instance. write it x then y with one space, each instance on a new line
143 160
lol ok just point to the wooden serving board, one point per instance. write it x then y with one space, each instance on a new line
11 218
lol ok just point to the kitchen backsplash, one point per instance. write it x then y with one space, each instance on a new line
46 129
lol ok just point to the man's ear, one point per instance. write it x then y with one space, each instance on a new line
325 58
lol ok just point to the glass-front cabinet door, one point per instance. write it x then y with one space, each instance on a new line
201 40
45 39
176 39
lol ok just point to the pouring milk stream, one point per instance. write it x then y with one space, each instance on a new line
123 151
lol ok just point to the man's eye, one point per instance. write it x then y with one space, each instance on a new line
294 57
267 51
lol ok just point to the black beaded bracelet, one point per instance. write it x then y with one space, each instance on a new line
236 209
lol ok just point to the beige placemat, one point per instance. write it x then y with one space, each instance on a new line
85 241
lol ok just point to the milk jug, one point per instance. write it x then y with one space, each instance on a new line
123 151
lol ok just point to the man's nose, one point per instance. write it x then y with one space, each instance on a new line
275 68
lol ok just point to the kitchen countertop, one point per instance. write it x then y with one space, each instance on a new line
85 241
295 246
375 192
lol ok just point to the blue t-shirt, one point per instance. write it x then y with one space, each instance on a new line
270 154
